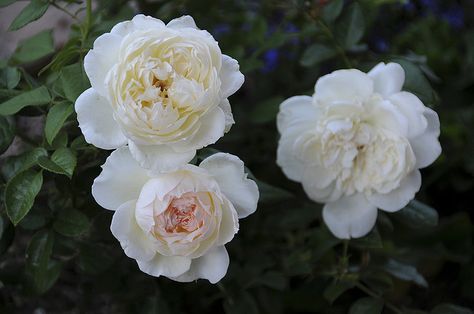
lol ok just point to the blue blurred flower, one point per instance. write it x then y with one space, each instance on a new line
454 16
431 5
220 29
381 45
270 59
409 6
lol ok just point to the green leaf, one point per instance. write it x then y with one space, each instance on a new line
34 48
336 289
55 119
405 272
71 223
417 215
270 193
20 194
274 280
4 3
9 77
47 164
447 308
266 111
332 10
35 97
370 241
416 81
241 303
33 11
66 159
350 28
7 234
315 54
367 306
74 81
7 133
16 164
41 271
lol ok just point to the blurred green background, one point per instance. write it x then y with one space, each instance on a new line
62 258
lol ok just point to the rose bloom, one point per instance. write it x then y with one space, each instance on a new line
357 145
175 224
160 88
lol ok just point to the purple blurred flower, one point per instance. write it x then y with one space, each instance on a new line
454 16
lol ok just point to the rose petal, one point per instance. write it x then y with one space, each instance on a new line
121 180
211 266
212 128
296 111
388 78
182 22
96 120
343 85
229 172
168 266
139 22
229 118
229 223
99 60
159 157
133 240
350 216
426 146
230 75
412 108
400 197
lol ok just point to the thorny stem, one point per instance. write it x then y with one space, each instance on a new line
331 37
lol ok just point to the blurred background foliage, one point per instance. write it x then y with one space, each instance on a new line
58 255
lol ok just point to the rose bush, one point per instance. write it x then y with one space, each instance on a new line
176 224
161 89
357 145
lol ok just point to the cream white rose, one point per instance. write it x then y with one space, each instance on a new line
357 145
175 224
161 89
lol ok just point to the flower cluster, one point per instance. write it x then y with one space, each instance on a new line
159 92
357 145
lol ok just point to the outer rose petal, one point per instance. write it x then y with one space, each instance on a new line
388 78
159 157
120 181
343 85
229 223
168 266
229 118
96 120
231 78
229 172
139 22
412 108
296 111
133 240
350 216
398 198
182 22
211 266
212 128
100 60
426 146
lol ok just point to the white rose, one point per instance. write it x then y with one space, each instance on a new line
160 88
357 145
175 224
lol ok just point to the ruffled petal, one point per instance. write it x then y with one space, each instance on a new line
211 266
133 240
168 266
159 157
120 181
426 146
388 78
350 216
96 120
229 172
230 75
401 196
